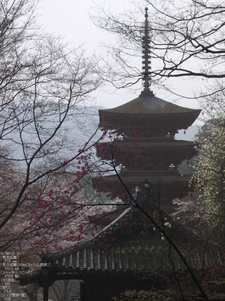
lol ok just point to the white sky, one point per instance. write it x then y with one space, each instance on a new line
70 20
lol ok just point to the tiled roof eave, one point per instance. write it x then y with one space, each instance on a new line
123 260
114 260
148 114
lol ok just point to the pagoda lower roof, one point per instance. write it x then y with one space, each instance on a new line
163 177
150 105
152 143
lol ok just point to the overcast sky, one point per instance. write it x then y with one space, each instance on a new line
70 20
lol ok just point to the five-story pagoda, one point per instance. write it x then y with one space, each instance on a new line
148 149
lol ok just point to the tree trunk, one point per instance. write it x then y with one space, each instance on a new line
32 291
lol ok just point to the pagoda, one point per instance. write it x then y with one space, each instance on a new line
148 149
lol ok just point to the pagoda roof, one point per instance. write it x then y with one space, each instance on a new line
154 177
153 143
150 105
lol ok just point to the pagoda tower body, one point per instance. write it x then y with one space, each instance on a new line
148 149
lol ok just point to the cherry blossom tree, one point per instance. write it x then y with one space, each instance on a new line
209 175
53 216
203 210
190 212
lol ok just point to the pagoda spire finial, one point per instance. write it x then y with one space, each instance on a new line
146 57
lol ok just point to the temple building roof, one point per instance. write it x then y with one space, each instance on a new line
129 244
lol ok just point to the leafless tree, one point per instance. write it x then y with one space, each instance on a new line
41 84
187 40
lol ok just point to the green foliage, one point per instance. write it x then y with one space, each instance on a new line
153 295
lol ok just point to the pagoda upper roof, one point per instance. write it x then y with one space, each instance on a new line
150 105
